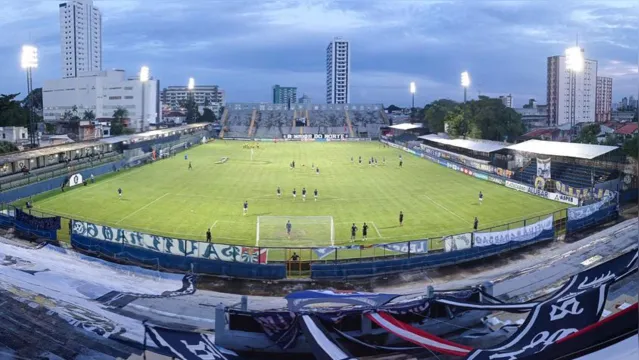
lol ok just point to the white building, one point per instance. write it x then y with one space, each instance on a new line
561 92
14 134
603 105
338 72
210 96
103 92
304 99
507 100
80 37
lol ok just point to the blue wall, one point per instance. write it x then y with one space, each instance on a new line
11 195
372 268
165 261
603 215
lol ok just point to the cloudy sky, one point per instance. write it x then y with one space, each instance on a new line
248 46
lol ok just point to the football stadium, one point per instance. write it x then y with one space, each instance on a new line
273 201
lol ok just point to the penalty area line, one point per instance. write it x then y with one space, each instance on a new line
142 208
377 230
257 232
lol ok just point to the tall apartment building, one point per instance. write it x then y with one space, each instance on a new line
338 71
284 95
210 96
507 100
567 98
603 105
80 37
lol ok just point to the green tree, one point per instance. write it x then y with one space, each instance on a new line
88 115
12 113
117 121
34 98
435 113
588 134
490 120
192 111
392 108
458 124
631 147
610 140
7 147
208 116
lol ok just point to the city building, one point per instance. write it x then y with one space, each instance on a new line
304 99
507 100
624 103
338 71
80 37
14 134
103 92
570 102
534 117
603 104
210 96
632 102
284 95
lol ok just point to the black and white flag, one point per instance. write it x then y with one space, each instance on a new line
188 345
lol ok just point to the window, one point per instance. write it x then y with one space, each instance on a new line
128 97
115 97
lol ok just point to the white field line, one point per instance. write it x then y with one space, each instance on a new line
97 183
215 223
377 230
142 208
443 207
257 232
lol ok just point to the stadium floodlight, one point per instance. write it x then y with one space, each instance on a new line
412 92
191 84
144 77
574 59
29 58
465 79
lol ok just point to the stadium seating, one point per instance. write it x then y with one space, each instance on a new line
577 176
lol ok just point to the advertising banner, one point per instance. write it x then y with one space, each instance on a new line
316 136
414 247
543 168
169 245
457 242
542 193
539 230
75 179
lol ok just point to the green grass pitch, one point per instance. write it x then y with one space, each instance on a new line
165 198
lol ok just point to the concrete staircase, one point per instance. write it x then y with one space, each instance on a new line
348 122
384 117
252 127
225 119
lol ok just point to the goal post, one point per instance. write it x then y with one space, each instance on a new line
305 231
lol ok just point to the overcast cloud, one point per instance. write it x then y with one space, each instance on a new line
247 46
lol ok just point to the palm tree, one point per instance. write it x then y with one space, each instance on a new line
117 124
88 115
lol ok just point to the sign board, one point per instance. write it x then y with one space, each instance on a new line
75 179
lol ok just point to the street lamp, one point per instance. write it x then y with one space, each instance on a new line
465 82
575 65
412 92
29 61
144 78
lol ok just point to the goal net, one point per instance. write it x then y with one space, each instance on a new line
305 231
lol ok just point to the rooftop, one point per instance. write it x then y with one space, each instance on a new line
627 129
481 146
406 126
556 148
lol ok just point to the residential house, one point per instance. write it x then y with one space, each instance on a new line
627 131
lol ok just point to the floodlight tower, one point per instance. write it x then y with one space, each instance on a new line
144 78
575 65
29 61
412 92
191 86
465 83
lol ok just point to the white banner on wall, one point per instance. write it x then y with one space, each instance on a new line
525 233
543 168
75 179
457 242
171 246
542 193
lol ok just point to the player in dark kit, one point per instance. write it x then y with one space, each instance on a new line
315 194
279 192
120 193
288 228
364 231
481 197
190 166
475 223
360 159
353 232
401 218
304 194
294 194
208 235
245 209
400 163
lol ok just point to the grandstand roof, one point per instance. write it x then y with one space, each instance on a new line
46 151
482 146
556 148
406 126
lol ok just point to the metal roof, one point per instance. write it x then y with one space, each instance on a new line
406 126
482 146
556 148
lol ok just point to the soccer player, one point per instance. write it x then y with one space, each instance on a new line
360 160
294 194
279 192
353 232
208 235
120 193
315 194
245 209
400 157
400 163
317 170
303 194
364 231
481 197
401 218
351 159
190 166
288 228
369 162
384 160
475 223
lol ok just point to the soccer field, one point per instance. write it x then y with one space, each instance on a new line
166 198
